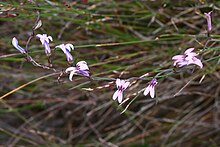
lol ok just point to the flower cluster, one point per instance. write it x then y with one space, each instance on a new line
123 85
81 68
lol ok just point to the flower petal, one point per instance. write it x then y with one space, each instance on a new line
152 92
181 64
61 46
39 35
178 57
69 69
125 86
197 62
49 37
47 49
147 90
58 46
188 51
84 72
82 65
44 38
120 96
122 83
208 14
69 57
115 95
69 47
118 83
71 75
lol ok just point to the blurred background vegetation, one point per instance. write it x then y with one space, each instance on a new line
123 38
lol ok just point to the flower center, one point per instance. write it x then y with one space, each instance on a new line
120 88
78 67
153 82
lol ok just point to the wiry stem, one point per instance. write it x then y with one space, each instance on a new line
30 59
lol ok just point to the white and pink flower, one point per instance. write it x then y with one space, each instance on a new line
81 68
150 88
121 86
189 57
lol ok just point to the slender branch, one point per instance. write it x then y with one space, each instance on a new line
30 59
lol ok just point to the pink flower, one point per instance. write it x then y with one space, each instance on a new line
121 85
209 20
66 50
187 58
81 68
150 88
18 47
44 39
